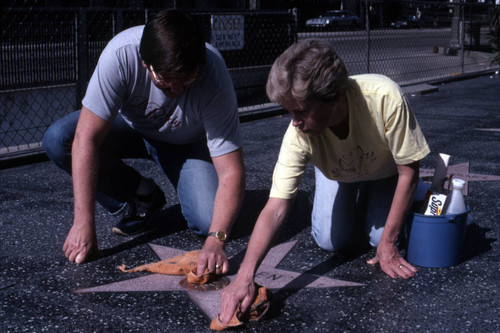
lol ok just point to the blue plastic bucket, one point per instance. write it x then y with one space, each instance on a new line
437 241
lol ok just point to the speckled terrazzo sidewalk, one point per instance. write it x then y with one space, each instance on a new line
40 290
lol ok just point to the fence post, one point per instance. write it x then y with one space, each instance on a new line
81 56
454 44
367 25
295 13
462 35
118 26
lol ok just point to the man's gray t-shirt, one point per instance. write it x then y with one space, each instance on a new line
120 84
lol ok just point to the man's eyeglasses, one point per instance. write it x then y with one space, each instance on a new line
163 83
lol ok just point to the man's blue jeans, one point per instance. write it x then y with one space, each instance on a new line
189 168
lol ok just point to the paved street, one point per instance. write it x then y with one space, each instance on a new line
41 292
408 56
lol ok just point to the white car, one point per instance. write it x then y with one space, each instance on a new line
334 20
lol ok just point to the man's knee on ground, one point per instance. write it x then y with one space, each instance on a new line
54 143
200 225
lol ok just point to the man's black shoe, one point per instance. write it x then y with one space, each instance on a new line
139 212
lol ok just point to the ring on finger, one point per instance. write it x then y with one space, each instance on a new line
217 267
401 266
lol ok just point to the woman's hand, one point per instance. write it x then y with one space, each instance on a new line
240 291
391 261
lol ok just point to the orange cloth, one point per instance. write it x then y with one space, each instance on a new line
202 279
257 311
183 264
179 265
186 264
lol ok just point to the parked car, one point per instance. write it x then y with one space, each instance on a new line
334 20
408 22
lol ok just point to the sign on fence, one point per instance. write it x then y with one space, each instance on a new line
228 32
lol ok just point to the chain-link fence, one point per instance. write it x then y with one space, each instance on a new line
48 54
411 42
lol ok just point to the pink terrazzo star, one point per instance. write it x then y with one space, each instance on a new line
209 301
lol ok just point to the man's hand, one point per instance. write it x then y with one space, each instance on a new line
230 191
239 291
391 261
80 244
212 257
81 241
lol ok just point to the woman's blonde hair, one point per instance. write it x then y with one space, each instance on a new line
310 69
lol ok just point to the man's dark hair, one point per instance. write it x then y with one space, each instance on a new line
172 42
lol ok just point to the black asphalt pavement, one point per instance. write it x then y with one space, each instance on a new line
41 292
